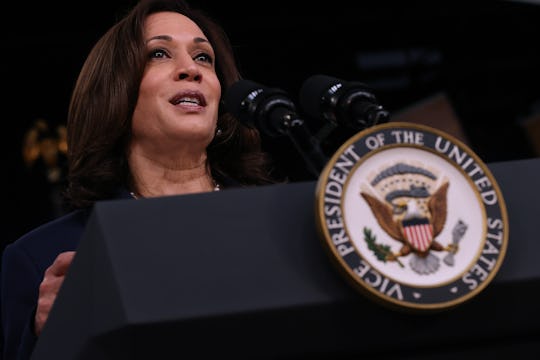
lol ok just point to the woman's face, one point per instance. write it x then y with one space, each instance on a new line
179 93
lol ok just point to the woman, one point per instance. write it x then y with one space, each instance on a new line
144 120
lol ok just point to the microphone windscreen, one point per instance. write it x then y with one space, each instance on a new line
238 96
312 93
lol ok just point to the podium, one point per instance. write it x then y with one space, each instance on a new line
242 274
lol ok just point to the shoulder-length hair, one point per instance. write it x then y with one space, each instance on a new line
104 98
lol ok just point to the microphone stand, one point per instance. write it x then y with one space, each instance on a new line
307 145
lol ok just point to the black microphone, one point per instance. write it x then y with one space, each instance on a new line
341 102
272 112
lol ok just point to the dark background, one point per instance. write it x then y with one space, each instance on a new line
483 55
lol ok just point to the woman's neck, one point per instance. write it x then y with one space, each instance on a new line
155 178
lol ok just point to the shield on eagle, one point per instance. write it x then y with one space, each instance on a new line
418 233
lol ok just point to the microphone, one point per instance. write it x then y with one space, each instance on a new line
271 111
341 102
256 106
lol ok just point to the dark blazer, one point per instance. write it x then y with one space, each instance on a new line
23 266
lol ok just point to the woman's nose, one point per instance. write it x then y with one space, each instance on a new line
190 73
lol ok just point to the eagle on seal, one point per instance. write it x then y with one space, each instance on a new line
415 218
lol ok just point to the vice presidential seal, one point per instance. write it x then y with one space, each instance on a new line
412 217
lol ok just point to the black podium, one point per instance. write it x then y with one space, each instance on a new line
242 274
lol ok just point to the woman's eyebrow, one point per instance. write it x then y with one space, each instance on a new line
169 38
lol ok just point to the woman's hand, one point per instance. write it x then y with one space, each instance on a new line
48 289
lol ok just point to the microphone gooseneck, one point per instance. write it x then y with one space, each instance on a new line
272 112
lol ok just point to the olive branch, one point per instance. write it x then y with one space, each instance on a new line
381 251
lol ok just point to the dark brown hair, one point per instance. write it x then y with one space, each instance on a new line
104 98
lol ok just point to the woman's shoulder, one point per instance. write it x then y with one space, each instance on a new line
49 239
64 225
64 230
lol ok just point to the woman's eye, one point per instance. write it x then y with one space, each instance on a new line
204 57
157 54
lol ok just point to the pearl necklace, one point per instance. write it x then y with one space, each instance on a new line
217 187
